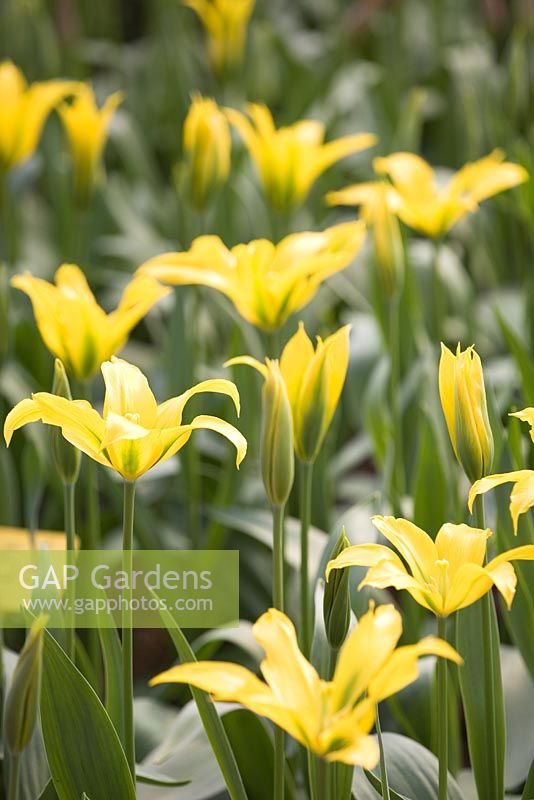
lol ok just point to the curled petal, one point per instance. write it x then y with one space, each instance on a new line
207 422
414 545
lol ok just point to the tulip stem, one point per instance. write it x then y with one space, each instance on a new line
278 602
127 629
383 770
437 284
443 743
396 483
306 480
490 687
70 528
8 220
14 778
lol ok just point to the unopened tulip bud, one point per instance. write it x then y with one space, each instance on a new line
22 702
463 399
66 457
336 600
207 144
277 458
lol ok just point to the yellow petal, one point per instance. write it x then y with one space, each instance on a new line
526 415
388 573
234 436
247 361
128 392
521 498
364 653
141 294
472 582
362 555
402 668
362 752
121 429
24 412
488 176
169 413
293 680
294 362
414 545
461 544
340 148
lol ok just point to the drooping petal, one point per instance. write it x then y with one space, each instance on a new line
402 668
44 300
488 176
526 415
248 361
210 423
414 545
521 498
170 412
362 555
22 414
364 653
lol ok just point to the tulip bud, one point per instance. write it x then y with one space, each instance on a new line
22 702
336 601
207 144
66 457
277 459
463 399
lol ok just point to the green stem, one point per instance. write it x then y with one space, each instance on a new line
127 629
443 744
322 784
383 771
306 480
14 778
490 689
70 532
439 293
396 487
278 602
8 222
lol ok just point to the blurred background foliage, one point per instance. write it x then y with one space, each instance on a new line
448 79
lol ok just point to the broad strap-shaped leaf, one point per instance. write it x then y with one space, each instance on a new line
83 749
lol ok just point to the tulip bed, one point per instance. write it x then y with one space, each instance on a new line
265 286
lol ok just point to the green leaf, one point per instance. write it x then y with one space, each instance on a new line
112 661
151 778
522 358
487 767
377 784
430 488
528 791
75 723
49 792
413 773
208 713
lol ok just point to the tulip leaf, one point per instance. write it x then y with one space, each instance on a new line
208 713
413 773
151 778
487 755
49 792
528 791
430 490
522 358
112 661
83 749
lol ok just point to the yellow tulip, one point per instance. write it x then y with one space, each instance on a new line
207 144
225 22
433 209
314 379
23 112
463 399
290 159
134 433
379 204
443 576
266 282
86 127
331 718
522 495
72 324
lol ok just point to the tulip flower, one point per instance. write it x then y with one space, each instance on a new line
226 24
86 127
463 399
266 282
433 209
379 204
442 576
290 159
522 495
330 718
207 145
23 112
74 327
134 433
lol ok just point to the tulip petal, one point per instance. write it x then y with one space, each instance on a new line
169 413
295 360
402 668
522 495
447 381
362 555
207 422
128 392
460 544
24 412
334 151
120 429
414 545
247 361
387 573
364 653
470 583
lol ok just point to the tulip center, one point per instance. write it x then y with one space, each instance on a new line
132 417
